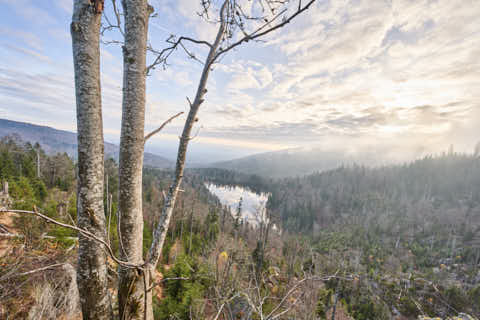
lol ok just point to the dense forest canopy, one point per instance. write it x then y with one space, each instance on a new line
405 239
428 187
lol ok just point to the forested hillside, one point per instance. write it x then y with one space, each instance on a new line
394 242
390 225
38 259
55 141
433 187
303 161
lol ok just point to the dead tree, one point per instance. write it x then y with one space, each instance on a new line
232 19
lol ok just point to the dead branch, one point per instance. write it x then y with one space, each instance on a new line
11 235
84 232
110 25
167 210
272 315
163 55
163 280
257 34
148 136
233 20
32 271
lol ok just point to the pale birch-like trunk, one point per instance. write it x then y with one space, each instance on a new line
131 283
92 267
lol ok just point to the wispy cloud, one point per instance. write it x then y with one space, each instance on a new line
30 12
349 73
28 52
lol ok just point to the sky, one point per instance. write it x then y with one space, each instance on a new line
345 74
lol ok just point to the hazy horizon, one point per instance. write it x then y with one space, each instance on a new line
399 75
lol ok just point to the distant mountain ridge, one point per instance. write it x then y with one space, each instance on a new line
303 161
53 141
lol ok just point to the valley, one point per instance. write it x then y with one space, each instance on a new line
391 242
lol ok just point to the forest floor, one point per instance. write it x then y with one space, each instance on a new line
6 227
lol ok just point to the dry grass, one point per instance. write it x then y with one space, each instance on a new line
48 293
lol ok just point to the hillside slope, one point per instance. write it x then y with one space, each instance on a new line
302 161
54 141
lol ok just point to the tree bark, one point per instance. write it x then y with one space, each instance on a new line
92 268
131 283
169 204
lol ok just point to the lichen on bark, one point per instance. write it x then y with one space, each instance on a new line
91 270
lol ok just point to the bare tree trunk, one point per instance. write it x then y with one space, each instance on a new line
334 310
191 229
162 227
38 163
92 267
131 284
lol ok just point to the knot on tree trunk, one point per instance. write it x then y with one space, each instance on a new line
98 5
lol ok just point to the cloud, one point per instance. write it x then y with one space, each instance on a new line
60 34
27 38
29 12
345 73
28 52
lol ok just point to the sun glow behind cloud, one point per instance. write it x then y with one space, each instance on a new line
348 73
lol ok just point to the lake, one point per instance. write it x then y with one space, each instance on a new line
253 205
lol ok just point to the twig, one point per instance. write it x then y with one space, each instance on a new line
189 102
255 34
110 25
164 54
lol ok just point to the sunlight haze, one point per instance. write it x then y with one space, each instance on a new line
396 73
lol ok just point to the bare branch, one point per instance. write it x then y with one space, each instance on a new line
148 136
163 55
84 232
169 204
119 232
223 305
32 271
272 315
108 42
11 235
117 15
189 102
165 279
257 34
110 25
109 199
